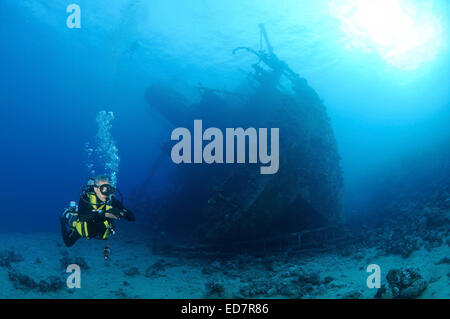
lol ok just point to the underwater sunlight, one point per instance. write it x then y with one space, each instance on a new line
404 33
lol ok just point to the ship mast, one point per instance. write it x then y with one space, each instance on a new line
266 38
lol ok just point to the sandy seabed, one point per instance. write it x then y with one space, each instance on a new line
133 271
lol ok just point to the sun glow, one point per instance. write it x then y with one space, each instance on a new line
403 34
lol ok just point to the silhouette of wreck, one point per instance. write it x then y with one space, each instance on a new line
220 203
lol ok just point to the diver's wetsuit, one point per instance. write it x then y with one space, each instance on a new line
94 219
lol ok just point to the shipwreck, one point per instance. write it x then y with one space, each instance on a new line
219 204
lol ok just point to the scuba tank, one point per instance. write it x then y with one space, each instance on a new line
70 213
73 205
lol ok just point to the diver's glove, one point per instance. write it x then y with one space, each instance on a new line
116 212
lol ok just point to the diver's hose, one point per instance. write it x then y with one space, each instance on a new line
85 188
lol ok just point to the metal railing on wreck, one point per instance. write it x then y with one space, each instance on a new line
315 240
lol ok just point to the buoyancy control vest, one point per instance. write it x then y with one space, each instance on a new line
82 227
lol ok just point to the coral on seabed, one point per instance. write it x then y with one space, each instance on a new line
9 256
411 230
66 260
25 282
214 289
156 269
295 283
132 272
402 283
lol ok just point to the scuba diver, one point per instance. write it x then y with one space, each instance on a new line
94 217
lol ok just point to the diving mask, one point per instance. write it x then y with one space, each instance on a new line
106 189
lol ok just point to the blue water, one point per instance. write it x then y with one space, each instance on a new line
54 81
